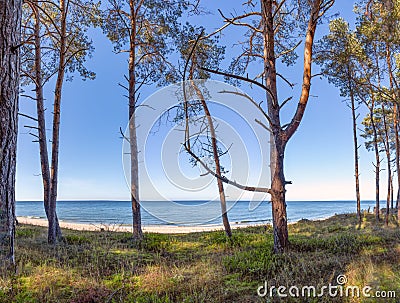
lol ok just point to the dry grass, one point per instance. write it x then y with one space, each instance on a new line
203 267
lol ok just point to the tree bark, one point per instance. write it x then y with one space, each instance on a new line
391 192
44 158
52 230
277 146
136 216
280 136
377 165
395 126
356 158
222 198
10 20
397 146
389 167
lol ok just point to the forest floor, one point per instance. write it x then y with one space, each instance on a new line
108 266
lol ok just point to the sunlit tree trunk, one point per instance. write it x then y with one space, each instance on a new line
377 163
52 232
355 141
281 136
389 165
44 158
395 126
136 216
279 217
10 21
222 197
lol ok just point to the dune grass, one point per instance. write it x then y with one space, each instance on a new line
203 267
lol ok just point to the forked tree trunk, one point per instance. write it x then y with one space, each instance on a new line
279 217
280 136
10 26
136 216
44 158
52 231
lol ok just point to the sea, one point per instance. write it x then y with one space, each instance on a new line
186 213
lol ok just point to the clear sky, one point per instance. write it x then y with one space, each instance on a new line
319 158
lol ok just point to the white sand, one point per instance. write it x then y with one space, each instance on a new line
165 229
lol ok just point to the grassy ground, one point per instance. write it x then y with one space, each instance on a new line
203 267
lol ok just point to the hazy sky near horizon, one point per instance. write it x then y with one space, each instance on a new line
319 158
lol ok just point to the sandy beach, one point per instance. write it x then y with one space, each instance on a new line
165 229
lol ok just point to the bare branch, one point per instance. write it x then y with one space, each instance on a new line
286 101
232 21
263 125
289 50
26 116
225 179
241 78
286 80
123 136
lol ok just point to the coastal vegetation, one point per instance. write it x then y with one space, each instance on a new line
42 40
106 266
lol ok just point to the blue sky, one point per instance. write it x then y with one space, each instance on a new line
319 158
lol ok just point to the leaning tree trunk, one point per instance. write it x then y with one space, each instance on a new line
44 158
52 231
10 20
136 216
222 198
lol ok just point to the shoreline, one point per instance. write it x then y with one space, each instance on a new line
164 229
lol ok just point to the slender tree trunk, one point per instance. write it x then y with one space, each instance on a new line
44 158
395 124
389 167
389 181
397 146
136 216
222 198
356 158
10 20
377 165
391 192
52 232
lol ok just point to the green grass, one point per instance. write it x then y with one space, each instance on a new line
203 267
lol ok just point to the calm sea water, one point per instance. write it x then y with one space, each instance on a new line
185 212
